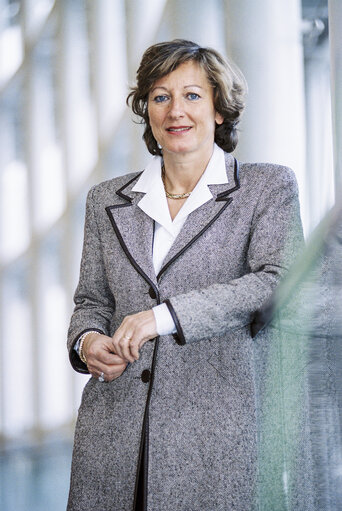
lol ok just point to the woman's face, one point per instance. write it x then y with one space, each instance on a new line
182 113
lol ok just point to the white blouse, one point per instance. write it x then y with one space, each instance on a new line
154 204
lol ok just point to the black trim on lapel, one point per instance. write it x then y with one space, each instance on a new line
122 195
130 201
221 197
127 252
195 238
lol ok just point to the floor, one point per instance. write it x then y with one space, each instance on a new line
35 478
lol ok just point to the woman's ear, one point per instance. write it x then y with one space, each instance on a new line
218 118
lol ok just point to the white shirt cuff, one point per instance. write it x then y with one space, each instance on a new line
164 321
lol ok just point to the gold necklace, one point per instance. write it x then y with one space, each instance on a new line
173 195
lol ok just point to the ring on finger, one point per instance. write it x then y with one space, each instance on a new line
127 338
101 378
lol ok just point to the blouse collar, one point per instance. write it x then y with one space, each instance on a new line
154 202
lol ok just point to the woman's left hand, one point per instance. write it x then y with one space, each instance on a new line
132 334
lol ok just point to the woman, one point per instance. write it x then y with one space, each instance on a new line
176 260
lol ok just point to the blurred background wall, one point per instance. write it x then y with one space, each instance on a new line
65 70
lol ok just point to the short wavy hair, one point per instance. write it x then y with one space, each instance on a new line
228 82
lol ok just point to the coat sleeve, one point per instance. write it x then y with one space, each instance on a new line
276 237
94 301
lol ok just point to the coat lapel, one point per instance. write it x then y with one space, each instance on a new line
203 217
134 230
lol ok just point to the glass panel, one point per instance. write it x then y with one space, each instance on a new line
118 157
17 370
110 64
14 218
320 172
178 13
49 193
11 53
80 117
54 388
36 12
300 383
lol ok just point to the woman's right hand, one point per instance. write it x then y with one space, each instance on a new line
98 351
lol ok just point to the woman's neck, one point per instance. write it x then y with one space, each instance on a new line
181 174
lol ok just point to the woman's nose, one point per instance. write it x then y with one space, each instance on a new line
176 108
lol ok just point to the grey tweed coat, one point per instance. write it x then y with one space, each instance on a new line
192 395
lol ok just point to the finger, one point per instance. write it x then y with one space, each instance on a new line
121 343
116 343
105 373
134 349
113 359
109 358
125 342
99 348
97 373
109 373
94 369
116 371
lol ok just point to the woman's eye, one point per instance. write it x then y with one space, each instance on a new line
160 99
192 95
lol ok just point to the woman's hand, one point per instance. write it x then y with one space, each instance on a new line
132 334
98 350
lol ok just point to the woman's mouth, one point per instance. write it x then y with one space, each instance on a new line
178 129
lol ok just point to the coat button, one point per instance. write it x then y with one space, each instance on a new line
146 375
152 293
